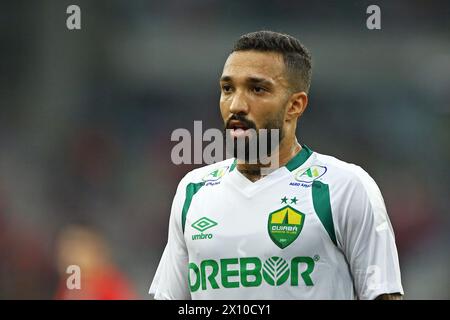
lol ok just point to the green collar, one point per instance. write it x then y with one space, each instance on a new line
299 158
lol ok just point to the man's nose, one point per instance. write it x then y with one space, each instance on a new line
239 104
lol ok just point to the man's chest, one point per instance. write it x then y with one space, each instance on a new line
280 220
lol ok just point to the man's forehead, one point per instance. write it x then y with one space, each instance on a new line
254 63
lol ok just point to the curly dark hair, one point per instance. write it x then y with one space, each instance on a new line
296 56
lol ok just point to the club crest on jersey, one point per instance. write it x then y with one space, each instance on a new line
285 225
310 174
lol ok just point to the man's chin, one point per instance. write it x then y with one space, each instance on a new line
249 157
248 148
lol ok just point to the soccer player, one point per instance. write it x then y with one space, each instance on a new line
314 228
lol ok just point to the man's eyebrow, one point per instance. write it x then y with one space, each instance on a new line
253 80
256 80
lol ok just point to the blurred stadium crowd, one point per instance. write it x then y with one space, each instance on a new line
86 118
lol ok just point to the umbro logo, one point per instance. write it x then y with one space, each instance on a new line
201 225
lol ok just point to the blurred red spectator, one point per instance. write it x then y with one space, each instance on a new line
100 278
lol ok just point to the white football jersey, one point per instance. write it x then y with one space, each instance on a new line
316 228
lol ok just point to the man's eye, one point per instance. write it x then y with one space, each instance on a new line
226 88
259 89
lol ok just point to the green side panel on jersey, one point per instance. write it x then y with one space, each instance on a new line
322 205
191 190
233 165
299 158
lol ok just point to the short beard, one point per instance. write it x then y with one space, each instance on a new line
234 147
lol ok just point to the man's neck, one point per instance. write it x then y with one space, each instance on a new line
285 154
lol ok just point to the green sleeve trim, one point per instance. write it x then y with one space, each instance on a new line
322 206
233 165
191 190
299 158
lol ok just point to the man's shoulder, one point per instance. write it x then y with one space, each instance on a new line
211 172
339 171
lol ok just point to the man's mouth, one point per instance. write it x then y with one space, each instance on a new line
238 129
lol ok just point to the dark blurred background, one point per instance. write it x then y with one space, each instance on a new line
86 118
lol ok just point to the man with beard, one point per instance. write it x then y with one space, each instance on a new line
313 227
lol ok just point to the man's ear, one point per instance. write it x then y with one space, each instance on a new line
297 105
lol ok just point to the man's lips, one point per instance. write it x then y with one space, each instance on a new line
239 133
236 124
238 129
